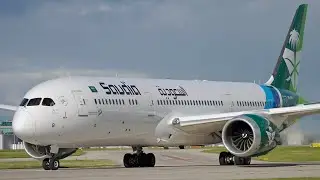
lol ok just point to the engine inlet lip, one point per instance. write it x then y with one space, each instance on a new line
229 145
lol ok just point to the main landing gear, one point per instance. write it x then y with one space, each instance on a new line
50 163
226 158
139 159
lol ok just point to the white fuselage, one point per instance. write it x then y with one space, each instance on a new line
129 114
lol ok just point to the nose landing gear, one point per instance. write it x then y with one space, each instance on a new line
50 164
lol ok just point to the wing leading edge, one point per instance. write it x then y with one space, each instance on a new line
206 124
8 107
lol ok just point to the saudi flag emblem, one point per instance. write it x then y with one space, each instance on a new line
93 89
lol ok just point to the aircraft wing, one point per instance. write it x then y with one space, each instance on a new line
8 107
206 124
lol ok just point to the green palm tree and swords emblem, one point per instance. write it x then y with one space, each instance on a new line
294 43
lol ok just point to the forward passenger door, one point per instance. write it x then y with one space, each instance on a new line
85 107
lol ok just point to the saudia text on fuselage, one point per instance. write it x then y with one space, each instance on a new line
172 92
121 89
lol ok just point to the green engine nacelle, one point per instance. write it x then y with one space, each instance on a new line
250 135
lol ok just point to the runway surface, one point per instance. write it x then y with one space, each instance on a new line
172 164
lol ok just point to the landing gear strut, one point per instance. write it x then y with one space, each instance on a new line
139 159
226 158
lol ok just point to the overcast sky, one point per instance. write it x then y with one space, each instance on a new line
182 39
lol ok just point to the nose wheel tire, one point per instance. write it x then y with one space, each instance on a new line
50 164
45 164
54 164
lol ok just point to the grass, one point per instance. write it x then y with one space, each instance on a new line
297 178
292 154
22 154
79 152
283 154
63 163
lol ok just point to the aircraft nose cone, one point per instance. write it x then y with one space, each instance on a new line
23 125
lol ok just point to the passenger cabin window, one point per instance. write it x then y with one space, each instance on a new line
48 102
24 102
34 102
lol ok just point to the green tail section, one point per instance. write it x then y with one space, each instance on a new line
285 74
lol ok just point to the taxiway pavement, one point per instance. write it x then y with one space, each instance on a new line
172 164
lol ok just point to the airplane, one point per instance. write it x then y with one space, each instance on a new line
58 116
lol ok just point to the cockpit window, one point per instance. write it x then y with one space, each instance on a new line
48 102
24 102
34 102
